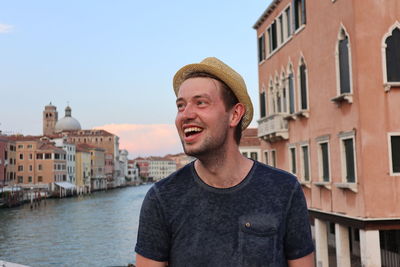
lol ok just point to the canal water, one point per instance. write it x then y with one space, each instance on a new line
93 230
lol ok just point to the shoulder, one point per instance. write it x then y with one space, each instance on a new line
274 175
175 182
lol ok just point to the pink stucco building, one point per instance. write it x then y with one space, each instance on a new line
329 83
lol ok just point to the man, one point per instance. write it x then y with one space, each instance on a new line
222 209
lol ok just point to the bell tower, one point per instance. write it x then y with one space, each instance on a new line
50 117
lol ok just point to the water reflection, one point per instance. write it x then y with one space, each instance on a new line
96 230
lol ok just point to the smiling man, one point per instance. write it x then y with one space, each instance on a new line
222 209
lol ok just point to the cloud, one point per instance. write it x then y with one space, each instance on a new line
5 28
146 139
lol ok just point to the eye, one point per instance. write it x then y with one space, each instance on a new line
180 106
201 102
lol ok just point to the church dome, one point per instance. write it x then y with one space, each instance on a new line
68 123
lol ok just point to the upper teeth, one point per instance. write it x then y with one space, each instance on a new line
192 129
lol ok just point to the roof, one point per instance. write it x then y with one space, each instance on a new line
266 13
86 147
250 138
50 146
92 132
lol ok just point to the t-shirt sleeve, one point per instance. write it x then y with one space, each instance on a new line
298 241
153 237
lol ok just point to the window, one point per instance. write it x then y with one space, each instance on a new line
324 161
47 156
40 167
272 40
394 153
254 156
348 157
262 104
29 179
291 91
344 63
281 28
20 146
20 168
299 13
30 168
56 156
392 52
288 22
20 179
39 156
306 163
303 85
244 154
261 48
30 156
273 158
40 178
29 146
292 159
21 156
266 157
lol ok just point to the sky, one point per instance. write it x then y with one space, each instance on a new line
113 62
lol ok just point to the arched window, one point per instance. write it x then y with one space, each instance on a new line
303 90
271 100
290 86
262 103
392 52
278 95
344 63
284 93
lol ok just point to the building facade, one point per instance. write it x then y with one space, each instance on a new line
329 88
250 144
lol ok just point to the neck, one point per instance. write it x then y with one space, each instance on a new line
223 170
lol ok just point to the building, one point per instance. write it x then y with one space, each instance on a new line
133 172
181 159
83 170
143 167
329 87
70 150
98 178
160 167
250 144
7 161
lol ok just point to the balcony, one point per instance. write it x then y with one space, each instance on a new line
273 128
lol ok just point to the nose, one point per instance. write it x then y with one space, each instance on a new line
188 113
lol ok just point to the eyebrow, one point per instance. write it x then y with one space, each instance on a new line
194 97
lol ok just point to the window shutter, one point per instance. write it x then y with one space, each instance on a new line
303 12
294 16
349 151
344 68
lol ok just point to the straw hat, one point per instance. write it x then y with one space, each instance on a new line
219 69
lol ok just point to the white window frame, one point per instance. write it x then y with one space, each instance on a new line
290 148
305 144
390 153
290 70
387 85
274 153
324 140
342 137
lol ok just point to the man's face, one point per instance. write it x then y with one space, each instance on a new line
202 120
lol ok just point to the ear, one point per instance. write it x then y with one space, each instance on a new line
237 113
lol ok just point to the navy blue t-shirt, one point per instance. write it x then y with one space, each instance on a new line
263 221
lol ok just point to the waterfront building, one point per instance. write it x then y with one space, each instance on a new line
123 166
250 144
181 159
143 166
97 166
160 167
133 172
39 162
70 150
83 169
329 92
7 161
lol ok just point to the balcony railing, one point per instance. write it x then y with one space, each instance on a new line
273 128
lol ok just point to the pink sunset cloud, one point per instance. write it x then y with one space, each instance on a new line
146 139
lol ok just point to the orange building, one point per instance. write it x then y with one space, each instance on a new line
7 161
39 162
329 84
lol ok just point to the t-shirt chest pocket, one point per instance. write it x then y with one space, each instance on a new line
257 239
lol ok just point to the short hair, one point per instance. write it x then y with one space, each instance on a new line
227 95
